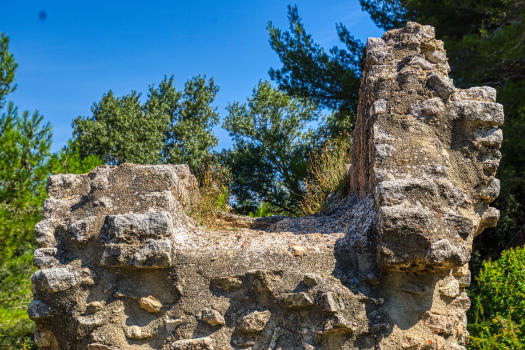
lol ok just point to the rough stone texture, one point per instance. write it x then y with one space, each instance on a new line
123 267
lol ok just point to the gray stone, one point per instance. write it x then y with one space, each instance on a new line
489 192
443 86
38 310
436 56
490 138
45 257
489 113
443 250
297 300
449 287
155 254
152 254
464 281
211 317
45 233
489 218
477 93
399 217
140 226
336 324
172 324
63 185
311 279
54 208
83 230
432 106
328 303
421 63
254 321
56 279
374 43
384 151
379 107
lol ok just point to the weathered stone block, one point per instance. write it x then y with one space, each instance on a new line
204 343
211 317
254 321
56 279
44 257
45 232
39 310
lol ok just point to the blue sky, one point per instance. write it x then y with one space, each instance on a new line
85 48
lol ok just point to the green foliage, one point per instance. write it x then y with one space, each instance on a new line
327 175
261 212
15 295
171 126
331 79
25 146
24 149
497 317
213 180
451 18
69 161
122 130
271 142
8 66
190 137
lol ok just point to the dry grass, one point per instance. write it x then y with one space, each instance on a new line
327 175
213 182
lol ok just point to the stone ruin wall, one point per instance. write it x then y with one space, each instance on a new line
121 266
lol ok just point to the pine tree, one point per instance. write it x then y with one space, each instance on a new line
271 142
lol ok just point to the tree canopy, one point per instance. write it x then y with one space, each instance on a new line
331 79
271 140
171 126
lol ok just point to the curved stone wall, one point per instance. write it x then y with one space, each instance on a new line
121 266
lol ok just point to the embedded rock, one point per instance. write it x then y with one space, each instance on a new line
150 304
204 343
211 317
121 265
254 321
38 310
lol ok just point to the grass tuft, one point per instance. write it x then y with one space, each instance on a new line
328 178
213 185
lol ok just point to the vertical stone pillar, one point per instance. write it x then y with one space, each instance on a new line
426 151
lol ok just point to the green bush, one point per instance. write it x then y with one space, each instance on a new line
497 317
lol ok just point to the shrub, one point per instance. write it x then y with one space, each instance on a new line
213 184
262 211
497 317
327 175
